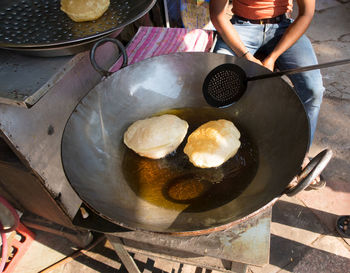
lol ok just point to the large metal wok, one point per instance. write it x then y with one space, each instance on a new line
94 156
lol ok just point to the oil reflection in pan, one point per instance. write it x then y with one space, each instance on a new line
174 183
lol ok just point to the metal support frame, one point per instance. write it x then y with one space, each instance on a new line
124 256
122 249
78 238
166 14
228 251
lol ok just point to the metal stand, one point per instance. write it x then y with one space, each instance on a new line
124 256
231 250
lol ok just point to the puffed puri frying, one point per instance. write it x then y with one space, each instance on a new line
84 10
156 137
213 143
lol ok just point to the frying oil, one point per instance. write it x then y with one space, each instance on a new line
174 183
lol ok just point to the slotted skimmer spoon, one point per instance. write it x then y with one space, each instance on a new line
226 83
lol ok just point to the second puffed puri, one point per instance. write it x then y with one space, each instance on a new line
213 143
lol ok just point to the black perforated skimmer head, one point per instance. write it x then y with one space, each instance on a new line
224 85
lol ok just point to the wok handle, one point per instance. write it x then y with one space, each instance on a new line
121 47
311 171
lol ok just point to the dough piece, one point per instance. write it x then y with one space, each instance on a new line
156 137
84 10
213 143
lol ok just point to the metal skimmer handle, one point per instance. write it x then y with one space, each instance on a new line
99 69
298 70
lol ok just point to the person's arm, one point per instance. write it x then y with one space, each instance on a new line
226 30
293 32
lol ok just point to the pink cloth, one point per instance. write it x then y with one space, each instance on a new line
154 41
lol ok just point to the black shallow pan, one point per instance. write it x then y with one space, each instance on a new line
41 26
110 179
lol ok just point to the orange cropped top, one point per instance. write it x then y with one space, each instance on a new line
261 9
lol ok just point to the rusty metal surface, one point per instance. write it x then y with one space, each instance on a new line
35 134
247 242
26 79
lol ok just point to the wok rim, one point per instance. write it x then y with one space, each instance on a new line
197 232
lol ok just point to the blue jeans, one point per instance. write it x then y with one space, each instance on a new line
262 39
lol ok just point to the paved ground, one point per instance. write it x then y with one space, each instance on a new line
303 236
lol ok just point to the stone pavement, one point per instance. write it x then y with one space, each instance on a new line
303 236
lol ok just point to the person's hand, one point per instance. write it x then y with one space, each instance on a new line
251 58
269 63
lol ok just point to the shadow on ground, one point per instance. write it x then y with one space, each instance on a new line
297 257
301 217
